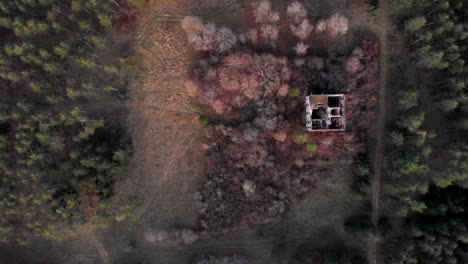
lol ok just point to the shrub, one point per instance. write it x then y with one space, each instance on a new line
312 146
300 138
293 92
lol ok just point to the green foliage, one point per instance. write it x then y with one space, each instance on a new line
437 235
414 24
412 122
58 149
204 122
448 105
407 99
426 176
397 139
300 138
312 146
293 92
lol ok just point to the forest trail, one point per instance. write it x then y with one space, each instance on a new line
167 133
90 235
383 26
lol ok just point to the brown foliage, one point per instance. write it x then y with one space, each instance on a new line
239 78
89 201
254 166
243 183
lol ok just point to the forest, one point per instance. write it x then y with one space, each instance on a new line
63 136
173 131
426 181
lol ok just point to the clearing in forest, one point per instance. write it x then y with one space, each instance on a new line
171 143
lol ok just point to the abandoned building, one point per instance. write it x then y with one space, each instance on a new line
325 112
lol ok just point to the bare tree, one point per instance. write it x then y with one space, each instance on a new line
238 60
219 106
204 39
263 12
302 30
322 25
269 32
267 118
249 188
273 72
252 35
301 49
338 25
353 65
267 19
225 39
296 11
250 134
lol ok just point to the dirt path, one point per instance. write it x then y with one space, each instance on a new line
383 26
167 134
90 236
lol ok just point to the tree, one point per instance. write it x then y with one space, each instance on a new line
264 14
296 11
302 30
225 39
204 39
269 32
338 25
43 122
397 138
415 24
335 25
407 99
432 59
448 105
301 49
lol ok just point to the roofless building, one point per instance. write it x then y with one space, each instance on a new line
325 112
